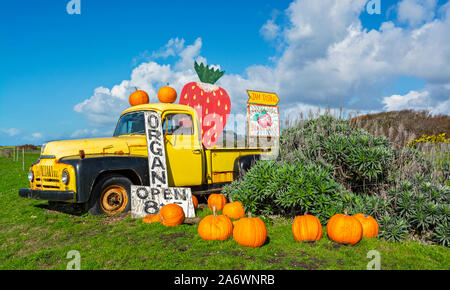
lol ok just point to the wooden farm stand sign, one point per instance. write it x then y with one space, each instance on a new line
262 114
147 200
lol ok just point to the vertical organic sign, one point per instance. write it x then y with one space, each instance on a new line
156 151
147 200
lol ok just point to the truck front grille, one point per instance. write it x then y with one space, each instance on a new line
48 171
47 176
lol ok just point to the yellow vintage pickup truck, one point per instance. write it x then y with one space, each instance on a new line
98 172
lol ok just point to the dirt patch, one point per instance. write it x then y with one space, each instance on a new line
303 265
242 255
312 244
277 258
318 262
334 246
114 219
44 263
35 241
171 239
281 254
172 236
237 253
273 260
192 221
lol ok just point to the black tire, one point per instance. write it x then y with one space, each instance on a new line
114 188
243 164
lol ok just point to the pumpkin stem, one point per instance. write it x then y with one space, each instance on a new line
231 200
214 210
136 88
345 212
249 215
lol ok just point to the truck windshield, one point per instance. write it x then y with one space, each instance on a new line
132 123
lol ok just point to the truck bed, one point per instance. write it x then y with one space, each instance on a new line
221 161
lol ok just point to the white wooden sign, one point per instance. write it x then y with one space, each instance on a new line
147 200
263 120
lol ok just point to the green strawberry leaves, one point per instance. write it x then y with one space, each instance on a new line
259 115
207 74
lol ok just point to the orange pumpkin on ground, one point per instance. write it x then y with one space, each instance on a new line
234 210
195 201
152 218
215 227
138 97
250 232
307 228
218 200
344 229
369 224
172 215
167 94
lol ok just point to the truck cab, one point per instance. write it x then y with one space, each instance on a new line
98 172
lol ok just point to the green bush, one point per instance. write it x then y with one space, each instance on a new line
328 164
274 187
360 161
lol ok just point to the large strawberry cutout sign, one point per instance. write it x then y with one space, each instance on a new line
211 102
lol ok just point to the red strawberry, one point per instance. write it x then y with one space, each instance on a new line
265 121
211 102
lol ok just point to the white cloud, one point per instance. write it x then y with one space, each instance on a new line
10 132
415 12
327 58
331 59
417 100
188 55
37 135
270 30
105 106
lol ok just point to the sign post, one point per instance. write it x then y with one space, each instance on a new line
262 115
147 200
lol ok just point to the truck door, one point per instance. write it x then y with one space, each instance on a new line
184 152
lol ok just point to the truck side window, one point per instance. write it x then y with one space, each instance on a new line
178 124
132 123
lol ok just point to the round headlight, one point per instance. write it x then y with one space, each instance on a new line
30 175
65 177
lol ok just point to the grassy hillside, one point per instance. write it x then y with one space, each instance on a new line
402 126
36 236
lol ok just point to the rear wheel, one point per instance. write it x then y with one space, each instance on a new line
111 195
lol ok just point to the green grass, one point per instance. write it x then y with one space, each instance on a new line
36 236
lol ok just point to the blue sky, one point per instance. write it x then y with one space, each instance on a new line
51 61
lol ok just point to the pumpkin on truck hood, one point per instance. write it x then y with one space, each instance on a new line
107 145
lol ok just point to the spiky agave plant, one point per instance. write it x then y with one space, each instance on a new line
393 229
441 234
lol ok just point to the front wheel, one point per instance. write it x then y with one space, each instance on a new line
111 195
